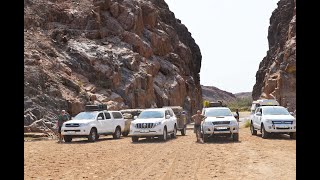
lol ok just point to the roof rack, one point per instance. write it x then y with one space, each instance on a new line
96 107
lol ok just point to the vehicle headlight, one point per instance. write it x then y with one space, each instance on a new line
157 123
207 123
269 121
233 123
83 124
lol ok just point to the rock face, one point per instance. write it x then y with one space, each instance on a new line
211 93
276 77
123 53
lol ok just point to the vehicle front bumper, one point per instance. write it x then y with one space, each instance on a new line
146 132
220 129
76 131
280 128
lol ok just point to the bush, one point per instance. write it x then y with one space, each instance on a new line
242 104
247 124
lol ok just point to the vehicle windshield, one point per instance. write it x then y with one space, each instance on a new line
217 112
151 114
85 115
275 111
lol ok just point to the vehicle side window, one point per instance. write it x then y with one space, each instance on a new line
261 110
116 115
100 115
257 110
171 113
107 115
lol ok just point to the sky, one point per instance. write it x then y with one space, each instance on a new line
232 36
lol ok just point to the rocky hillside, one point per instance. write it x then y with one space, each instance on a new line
123 53
211 93
243 95
276 77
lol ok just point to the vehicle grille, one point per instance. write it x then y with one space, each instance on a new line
220 122
72 125
144 125
282 122
72 130
228 129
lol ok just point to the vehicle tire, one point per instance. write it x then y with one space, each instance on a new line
205 138
183 131
117 133
174 134
135 139
165 134
253 131
264 133
293 135
93 135
235 136
125 134
67 138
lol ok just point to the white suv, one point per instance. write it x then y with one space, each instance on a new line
156 122
219 121
91 124
273 119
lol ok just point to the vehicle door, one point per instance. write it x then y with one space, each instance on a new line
168 122
173 119
108 124
100 123
257 118
118 120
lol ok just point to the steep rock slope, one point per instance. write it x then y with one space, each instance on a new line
276 77
123 53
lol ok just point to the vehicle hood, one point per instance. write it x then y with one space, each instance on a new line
278 117
84 121
222 118
151 120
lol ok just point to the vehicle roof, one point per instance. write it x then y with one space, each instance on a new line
264 107
156 109
217 108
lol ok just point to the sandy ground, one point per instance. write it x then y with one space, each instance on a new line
181 158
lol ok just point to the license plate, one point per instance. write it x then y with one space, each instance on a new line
144 131
71 132
283 127
221 128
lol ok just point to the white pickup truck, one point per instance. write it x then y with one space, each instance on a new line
273 119
156 122
92 124
219 121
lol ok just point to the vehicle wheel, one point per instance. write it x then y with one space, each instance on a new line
135 139
67 138
235 137
174 134
264 133
164 136
293 135
183 131
205 138
253 131
125 134
93 135
117 133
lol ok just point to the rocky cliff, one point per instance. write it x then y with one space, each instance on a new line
211 93
276 77
123 53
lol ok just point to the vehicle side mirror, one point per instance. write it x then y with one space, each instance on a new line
168 116
258 114
99 118
135 117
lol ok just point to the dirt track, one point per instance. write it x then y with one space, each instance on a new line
182 158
